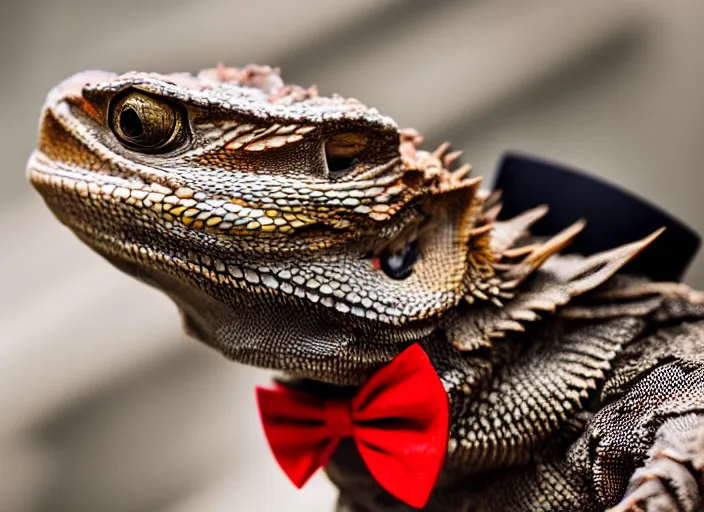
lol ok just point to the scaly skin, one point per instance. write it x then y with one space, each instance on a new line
311 235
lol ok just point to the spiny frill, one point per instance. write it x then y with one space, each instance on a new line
493 263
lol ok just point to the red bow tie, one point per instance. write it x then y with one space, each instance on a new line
398 420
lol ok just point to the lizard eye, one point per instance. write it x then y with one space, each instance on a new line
399 265
146 123
342 149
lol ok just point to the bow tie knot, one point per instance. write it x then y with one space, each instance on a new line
338 418
399 420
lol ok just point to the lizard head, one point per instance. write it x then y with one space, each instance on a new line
296 232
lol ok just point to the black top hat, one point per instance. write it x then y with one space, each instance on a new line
614 216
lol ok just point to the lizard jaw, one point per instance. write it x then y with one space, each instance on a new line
317 345
130 219
225 302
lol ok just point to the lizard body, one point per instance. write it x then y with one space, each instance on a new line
312 236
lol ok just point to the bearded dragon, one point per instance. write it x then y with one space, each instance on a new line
311 235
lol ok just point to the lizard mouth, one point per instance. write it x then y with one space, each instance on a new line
121 218
235 307
239 225
112 215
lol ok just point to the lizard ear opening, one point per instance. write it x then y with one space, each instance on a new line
434 255
399 264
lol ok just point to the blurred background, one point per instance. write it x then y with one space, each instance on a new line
104 404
